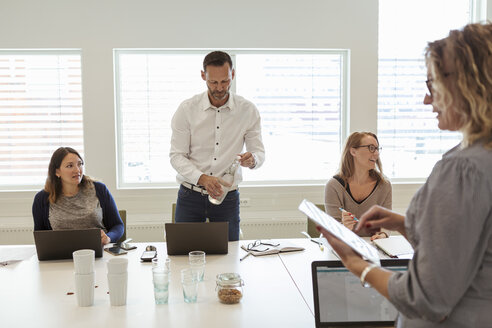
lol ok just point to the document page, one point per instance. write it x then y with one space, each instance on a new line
358 244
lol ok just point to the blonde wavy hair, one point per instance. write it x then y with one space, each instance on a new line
471 53
347 165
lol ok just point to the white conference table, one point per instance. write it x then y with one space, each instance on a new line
277 292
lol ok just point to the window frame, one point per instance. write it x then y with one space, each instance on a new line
47 51
477 14
344 106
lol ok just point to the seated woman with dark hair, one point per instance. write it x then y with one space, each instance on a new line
72 200
360 182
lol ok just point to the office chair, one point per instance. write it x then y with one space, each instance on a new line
123 218
311 225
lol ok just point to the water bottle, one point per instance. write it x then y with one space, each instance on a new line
227 181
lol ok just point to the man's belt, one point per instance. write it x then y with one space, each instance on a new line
199 189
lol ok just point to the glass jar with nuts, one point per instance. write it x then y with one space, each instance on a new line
229 288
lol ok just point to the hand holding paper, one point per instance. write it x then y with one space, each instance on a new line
349 238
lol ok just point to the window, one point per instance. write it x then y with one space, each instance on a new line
40 110
300 96
407 129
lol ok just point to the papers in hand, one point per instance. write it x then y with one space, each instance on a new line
358 244
267 248
395 246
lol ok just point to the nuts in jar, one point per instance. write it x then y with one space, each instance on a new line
229 288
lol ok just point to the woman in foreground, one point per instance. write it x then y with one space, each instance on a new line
449 220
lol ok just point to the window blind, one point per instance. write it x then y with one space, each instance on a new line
300 97
407 130
40 110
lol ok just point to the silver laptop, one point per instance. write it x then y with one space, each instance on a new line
340 299
60 244
184 237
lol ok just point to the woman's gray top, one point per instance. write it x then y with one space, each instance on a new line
81 211
449 224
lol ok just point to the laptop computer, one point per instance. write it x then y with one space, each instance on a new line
184 237
60 244
340 299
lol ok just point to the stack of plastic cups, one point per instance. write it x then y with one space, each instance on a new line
161 272
118 280
84 275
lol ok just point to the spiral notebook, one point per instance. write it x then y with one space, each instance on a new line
395 247
270 247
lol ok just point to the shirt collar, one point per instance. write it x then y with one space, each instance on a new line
205 102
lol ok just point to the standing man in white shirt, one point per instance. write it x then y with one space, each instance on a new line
209 131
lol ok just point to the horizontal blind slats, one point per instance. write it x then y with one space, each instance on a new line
40 110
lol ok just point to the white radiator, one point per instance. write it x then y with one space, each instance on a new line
149 232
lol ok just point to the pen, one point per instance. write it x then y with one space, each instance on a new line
320 244
341 209
245 256
316 242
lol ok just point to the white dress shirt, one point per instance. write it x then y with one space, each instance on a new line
207 139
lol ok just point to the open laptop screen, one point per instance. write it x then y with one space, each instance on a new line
60 244
340 299
184 237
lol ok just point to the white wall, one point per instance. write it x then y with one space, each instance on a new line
99 26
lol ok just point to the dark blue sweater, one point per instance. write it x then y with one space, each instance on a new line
111 217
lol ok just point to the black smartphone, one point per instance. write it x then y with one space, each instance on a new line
147 256
115 250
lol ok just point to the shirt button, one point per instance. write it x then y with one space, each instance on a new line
217 127
211 173
217 143
215 159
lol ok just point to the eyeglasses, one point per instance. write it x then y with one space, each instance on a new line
371 148
255 246
430 81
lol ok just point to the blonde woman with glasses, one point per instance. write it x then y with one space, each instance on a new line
359 183
449 220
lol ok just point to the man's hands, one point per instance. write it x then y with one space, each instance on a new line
247 160
213 185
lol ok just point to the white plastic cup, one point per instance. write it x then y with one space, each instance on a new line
118 286
189 282
117 265
83 261
84 288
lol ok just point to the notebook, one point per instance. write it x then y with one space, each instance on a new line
340 299
184 237
60 244
267 247
395 246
